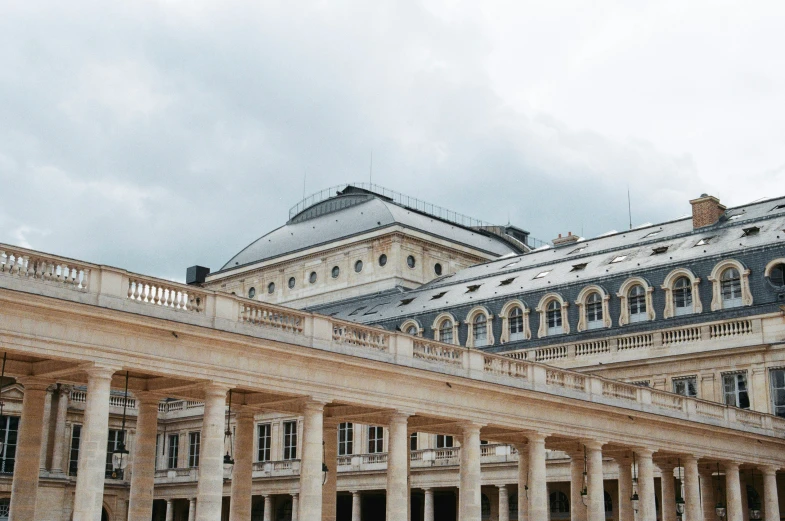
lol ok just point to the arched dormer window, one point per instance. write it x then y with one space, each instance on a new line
445 329
681 293
553 316
411 327
480 330
730 285
515 322
636 301
593 308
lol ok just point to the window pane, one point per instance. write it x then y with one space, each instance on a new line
265 439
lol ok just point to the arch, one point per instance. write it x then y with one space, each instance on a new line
770 268
507 309
106 512
668 286
542 309
717 301
479 312
437 326
559 504
583 319
411 323
623 294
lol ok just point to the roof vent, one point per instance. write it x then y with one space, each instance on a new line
706 210
564 241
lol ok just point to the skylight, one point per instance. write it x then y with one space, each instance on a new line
579 267
578 250
748 232
652 234
541 274
704 241
505 282
778 207
659 250
405 302
473 288
438 295
510 265
618 258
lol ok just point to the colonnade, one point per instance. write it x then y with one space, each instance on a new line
316 499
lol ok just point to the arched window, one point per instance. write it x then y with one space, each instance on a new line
516 324
485 507
608 503
5 509
594 311
480 330
636 303
445 331
682 296
730 286
554 318
553 315
559 503
411 330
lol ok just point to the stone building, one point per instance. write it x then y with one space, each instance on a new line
384 357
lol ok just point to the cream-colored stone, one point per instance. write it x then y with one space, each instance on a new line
209 491
242 470
397 503
140 507
733 492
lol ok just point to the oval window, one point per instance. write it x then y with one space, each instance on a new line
410 261
777 275
437 269
382 259
336 272
252 293
358 266
271 287
312 277
291 282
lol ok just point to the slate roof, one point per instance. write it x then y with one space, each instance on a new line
561 265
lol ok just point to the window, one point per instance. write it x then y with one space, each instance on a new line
510 265
345 439
194 444
682 296
735 389
687 386
559 503
485 507
438 295
473 288
382 259
290 440
252 293
335 272
516 324
9 428
513 501
73 458
618 258
265 439
412 330
375 440
704 241
406 301
594 311
506 282
751 231
553 316
271 288
730 286
410 261
291 282
609 502
437 269
579 267
445 331
636 303
444 442
778 207
312 277
777 275
413 441
480 330
651 234
778 392
171 457
5 509
659 250
541 274
358 266
113 442
577 250
374 310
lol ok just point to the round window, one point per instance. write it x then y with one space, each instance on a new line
437 269
777 275
291 282
271 287
252 293
382 259
410 261
336 272
312 277
358 266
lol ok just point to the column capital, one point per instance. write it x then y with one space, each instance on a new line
146 398
314 405
769 470
643 452
64 389
730 465
470 426
592 444
536 437
502 486
399 417
295 494
689 458
215 390
104 372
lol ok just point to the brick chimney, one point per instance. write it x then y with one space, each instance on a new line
706 210
563 241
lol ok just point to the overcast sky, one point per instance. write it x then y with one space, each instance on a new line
157 135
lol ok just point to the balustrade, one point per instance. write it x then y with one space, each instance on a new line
592 348
620 390
503 366
730 329
275 317
634 342
32 265
167 294
544 354
681 336
361 336
437 352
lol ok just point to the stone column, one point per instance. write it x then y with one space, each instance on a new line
647 510
578 510
89 493
733 491
209 489
46 422
523 482
268 508
708 488
668 493
398 468
140 504
169 510
356 509
596 507
428 507
504 503
771 505
625 489
242 471
311 463
469 498
295 507
692 495
330 487
24 488
538 490
60 442
192 509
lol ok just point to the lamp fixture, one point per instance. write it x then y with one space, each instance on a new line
679 498
120 453
720 509
325 470
228 459
634 498
585 488
754 502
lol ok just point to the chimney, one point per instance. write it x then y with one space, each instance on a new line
564 241
706 210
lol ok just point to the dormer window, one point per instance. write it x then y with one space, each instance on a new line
510 265
652 234
637 304
751 231
778 207
356 311
618 258
480 330
730 286
682 296
594 311
438 295
506 282
577 250
542 274
704 241
516 324
579 267
473 288
252 293
659 250
445 332
405 302
554 318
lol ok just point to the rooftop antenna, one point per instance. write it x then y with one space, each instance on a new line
629 205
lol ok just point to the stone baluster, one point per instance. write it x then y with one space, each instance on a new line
311 463
140 504
209 489
647 509
733 492
692 495
771 504
470 497
240 503
504 503
398 468
330 486
60 441
538 490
